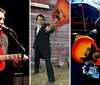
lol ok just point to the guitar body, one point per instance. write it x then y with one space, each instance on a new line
80 47
62 12
2 63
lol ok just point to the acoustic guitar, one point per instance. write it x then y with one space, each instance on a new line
60 14
8 57
85 50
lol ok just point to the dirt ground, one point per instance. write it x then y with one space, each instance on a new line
61 76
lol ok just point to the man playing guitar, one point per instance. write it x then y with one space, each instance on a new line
6 77
3 49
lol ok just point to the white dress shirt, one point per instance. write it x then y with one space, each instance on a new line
38 28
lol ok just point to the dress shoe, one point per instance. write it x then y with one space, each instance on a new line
50 83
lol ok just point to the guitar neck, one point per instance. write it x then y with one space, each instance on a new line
53 26
10 57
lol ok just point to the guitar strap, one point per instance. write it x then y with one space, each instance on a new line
1 33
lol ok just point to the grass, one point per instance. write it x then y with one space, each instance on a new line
61 76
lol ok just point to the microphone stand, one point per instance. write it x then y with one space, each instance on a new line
23 49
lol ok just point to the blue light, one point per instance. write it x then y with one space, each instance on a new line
77 0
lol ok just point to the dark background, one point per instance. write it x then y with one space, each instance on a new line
17 18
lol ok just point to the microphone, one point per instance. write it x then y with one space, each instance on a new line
5 27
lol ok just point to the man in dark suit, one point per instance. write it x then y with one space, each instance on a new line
42 47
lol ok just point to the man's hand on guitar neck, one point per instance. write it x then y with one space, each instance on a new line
51 26
19 61
47 29
25 57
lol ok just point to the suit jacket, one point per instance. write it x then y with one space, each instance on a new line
42 41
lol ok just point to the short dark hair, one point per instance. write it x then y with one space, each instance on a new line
40 15
2 10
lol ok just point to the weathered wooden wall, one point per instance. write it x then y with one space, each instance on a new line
60 40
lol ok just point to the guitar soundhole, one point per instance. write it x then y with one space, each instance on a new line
57 14
96 55
87 51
